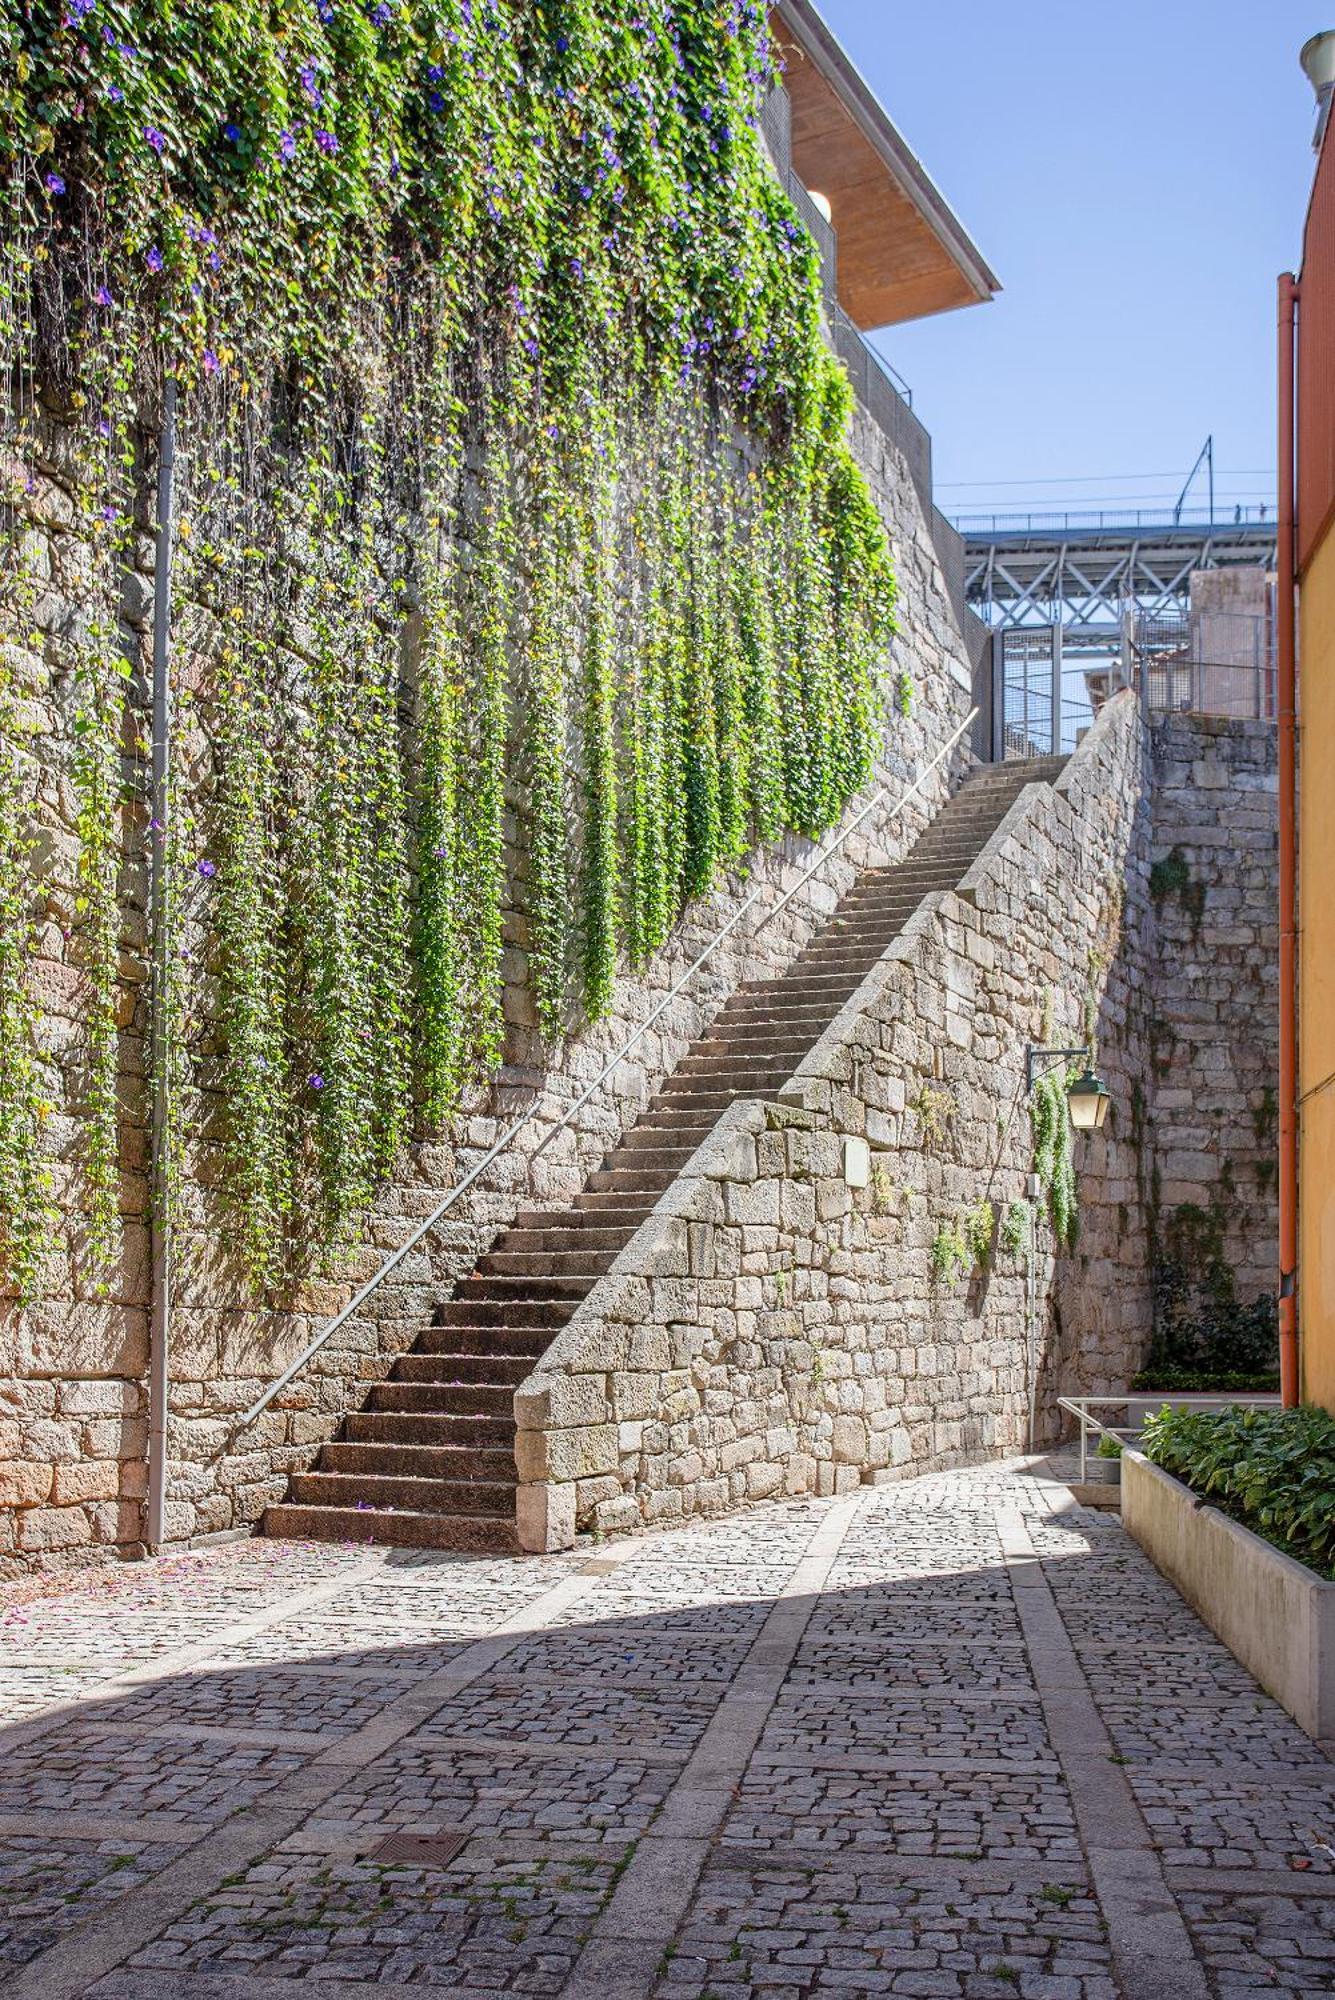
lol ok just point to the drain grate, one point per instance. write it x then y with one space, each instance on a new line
419 1850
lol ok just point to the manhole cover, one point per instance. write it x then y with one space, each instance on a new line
424 1850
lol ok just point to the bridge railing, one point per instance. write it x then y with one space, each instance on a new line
1112 519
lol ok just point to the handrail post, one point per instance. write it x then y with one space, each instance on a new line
159 1361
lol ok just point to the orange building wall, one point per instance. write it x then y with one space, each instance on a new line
1317 976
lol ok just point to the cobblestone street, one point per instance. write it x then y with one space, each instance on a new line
951 1737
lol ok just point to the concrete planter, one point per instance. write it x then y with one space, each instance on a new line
1275 1615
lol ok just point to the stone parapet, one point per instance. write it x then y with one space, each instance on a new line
780 1323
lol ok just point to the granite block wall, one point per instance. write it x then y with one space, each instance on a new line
73 1364
778 1325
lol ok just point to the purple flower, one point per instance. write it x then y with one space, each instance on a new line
153 258
110 514
157 140
315 1080
324 9
102 297
382 15
54 184
205 867
287 145
310 84
211 362
326 142
232 132
436 101
115 93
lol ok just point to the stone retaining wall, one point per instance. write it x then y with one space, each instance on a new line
775 1325
1215 1020
73 1366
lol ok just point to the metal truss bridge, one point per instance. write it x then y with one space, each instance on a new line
1080 604
1086 571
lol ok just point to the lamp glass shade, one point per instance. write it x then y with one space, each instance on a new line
1318 60
1089 1099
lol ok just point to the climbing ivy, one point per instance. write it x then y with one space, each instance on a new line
524 563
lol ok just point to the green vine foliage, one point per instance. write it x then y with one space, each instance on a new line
524 566
1017 1222
1053 1159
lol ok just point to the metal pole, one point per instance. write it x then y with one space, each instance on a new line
160 804
1287 643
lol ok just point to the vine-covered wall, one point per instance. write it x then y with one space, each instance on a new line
73 1362
513 478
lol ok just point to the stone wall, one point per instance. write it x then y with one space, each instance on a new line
775 1326
73 1366
1214 1026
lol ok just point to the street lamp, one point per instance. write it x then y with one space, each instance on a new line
1088 1097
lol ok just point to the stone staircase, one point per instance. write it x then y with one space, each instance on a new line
428 1461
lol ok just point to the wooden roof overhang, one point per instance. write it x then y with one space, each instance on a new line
903 253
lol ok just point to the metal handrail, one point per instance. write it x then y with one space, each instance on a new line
508 1137
1083 1407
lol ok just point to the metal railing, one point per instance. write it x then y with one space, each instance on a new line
1207 663
1143 1401
1114 519
633 1041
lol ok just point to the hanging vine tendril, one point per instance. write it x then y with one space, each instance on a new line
527 577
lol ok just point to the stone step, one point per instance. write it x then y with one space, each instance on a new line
487 1371
443 1399
407 1496
470 1534
702 1096
521 1342
584 1262
740 1083
440 1369
457 1433
467 1309
668 1130
766 1038
533 1292
620 1180
630 1205
584 1232
722 1065
451 1462
793 1016
486 1343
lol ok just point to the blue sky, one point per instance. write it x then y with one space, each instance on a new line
1136 176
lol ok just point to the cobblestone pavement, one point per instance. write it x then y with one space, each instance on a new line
954 1737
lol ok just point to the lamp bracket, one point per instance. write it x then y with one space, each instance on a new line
1049 1058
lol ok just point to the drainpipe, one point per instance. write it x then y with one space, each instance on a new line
1286 651
160 1054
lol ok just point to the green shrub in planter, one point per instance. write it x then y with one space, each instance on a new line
1272 1470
